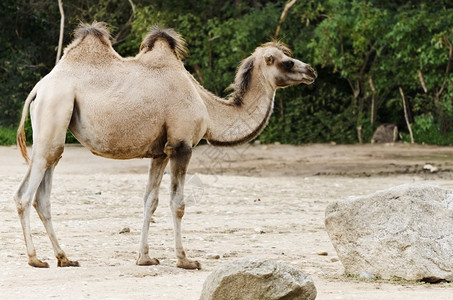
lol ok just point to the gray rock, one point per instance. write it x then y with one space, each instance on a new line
405 231
385 133
125 230
257 279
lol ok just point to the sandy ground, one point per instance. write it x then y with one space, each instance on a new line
264 201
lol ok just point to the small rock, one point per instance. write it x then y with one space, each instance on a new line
212 256
259 230
366 275
98 193
125 230
430 168
230 254
323 253
334 259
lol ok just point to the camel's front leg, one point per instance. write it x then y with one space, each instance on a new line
151 200
179 161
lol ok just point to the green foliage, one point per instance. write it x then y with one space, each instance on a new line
364 51
426 130
7 136
23 54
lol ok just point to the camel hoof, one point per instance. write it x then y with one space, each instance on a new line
188 264
68 263
38 263
147 261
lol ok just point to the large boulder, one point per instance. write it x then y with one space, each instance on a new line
259 279
405 231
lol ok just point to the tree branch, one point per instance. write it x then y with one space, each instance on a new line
283 16
366 59
117 39
197 70
373 102
422 81
447 69
60 39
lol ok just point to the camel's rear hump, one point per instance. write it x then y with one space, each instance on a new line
174 40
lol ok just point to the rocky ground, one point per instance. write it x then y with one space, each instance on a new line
263 201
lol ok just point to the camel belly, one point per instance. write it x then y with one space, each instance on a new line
122 147
120 136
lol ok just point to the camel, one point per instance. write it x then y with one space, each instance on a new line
147 106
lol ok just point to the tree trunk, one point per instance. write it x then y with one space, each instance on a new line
406 116
360 134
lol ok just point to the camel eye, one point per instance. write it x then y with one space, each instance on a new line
288 65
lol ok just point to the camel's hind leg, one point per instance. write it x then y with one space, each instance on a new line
151 200
50 113
179 160
42 206
23 198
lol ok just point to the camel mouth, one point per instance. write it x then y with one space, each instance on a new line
307 79
301 78
308 75
301 73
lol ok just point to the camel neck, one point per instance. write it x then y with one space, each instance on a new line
237 121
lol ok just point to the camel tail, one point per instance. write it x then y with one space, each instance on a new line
21 139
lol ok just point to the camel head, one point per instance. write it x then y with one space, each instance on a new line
280 69
273 60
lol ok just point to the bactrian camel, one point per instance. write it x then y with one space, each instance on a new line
146 106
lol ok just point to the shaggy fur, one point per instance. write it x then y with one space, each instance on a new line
242 82
98 29
174 40
279 45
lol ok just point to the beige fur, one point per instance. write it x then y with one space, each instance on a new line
145 106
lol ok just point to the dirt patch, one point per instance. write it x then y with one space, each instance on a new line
262 201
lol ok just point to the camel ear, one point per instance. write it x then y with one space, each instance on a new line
269 59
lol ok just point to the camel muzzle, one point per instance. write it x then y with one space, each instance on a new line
312 74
